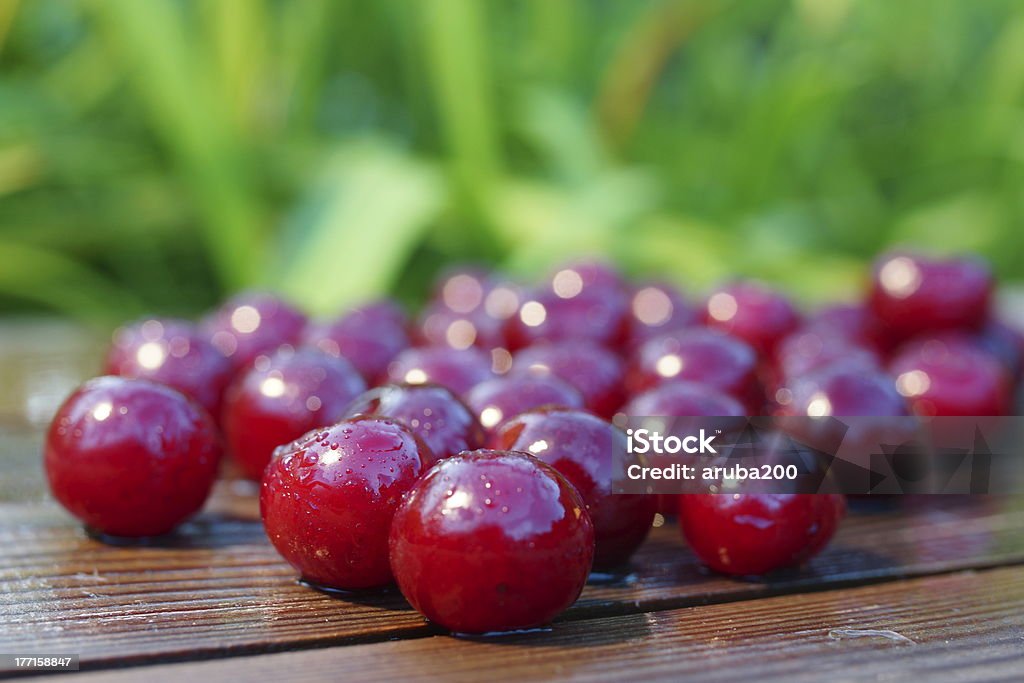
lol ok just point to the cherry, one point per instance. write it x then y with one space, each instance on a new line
328 498
699 355
171 352
281 398
253 324
846 388
912 294
657 308
853 322
684 399
491 541
812 348
756 533
441 326
753 313
431 412
584 301
950 377
130 457
594 370
995 339
368 337
502 398
457 369
580 446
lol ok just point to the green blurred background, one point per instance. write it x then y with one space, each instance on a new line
157 154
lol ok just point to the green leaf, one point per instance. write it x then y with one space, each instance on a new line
350 237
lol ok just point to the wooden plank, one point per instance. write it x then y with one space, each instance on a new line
218 586
960 627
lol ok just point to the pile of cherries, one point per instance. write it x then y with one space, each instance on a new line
466 456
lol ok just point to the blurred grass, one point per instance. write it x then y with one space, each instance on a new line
157 155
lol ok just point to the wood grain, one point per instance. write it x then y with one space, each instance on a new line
960 627
218 587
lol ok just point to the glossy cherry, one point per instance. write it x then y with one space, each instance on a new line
585 301
752 312
283 397
657 308
502 398
595 371
491 541
699 355
581 446
171 352
430 411
950 377
457 369
684 399
810 349
856 323
253 324
756 533
912 294
369 337
846 388
327 499
130 457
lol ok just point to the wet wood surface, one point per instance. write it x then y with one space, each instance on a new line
910 588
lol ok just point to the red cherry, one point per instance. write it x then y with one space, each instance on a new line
912 295
440 326
753 313
811 349
844 389
457 369
253 324
946 377
755 533
171 352
655 309
699 355
684 399
327 499
584 301
580 446
502 398
594 370
854 322
491 541
431 412
282 398
130 457
369 337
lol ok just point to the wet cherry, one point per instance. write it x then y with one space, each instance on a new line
657 308
457 369
502 398
130 457
594 370
581 447
699 355
491 541
430 411
585 301
752 312
912 294
328 499
756 533
369 337
171 352
951 377
253 324
283 397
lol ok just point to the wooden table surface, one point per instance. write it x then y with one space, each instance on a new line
926 588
